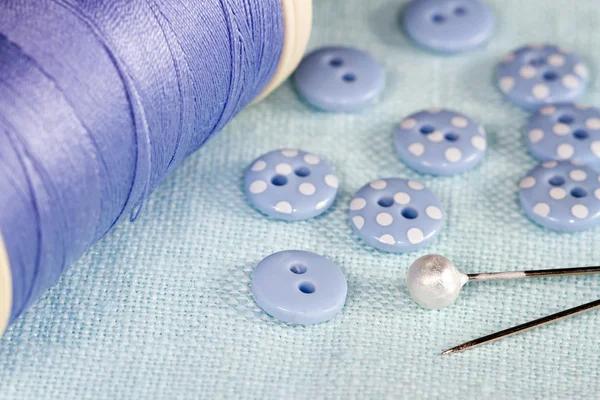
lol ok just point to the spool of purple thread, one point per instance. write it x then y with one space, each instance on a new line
100 99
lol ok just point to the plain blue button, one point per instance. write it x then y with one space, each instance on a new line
339 79
299 287
565 132
536 75
562 196
290 184
440 142
396 215
448 26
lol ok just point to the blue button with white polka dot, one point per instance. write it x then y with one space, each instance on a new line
565 132
562 196
440 142
396 215
339 79
535 75
290 184
299 287
448 26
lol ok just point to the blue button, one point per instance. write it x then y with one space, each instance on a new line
396 215
299 287
535 75
440 142
448 26
290 184
339 79
562 196
565 132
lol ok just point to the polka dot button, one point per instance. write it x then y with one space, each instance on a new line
440 142
448 26
290 184
299 287
396 215
562 196
339 79
536 75
565 132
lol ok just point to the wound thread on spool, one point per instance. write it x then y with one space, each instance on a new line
99 100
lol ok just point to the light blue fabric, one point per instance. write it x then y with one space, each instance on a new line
162 308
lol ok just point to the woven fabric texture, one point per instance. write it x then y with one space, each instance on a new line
162 308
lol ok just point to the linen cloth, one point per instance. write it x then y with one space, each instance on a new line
162 308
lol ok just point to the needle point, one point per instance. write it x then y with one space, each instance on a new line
449 351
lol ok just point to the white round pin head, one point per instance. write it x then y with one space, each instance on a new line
434 282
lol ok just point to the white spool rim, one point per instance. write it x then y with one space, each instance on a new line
5 288
297 15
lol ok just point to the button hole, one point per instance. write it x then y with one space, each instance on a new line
349 78
451 137
298 269
302 172
550 76
426 129
306 287
556 180
566 119
279 180
438 19
386 202
581 134
460 11
336 62
578 192
410 213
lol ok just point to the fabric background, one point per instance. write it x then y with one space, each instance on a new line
161 308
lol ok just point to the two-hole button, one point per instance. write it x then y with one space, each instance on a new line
299 287
341 79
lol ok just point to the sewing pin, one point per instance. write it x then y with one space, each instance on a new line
434 281
523 327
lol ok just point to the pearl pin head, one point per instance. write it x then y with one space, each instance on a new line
434 282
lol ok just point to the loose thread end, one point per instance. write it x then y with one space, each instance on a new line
136 210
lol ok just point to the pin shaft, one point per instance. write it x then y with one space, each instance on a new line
540 273
523 327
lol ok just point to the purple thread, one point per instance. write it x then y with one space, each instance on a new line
100 99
